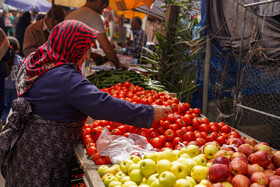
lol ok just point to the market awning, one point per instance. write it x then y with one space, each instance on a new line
69 3
29 5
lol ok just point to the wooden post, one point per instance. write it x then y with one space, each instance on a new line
206 76
172 14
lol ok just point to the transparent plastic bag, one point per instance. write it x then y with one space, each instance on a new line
119 148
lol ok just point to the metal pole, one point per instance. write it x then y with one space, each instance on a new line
259 3
239 66
206 76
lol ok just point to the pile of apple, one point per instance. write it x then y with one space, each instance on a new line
252 165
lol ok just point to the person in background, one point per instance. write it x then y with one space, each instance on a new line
2 21
23 23
13 16
37 33
4 46
134 47
54 102
90 15
13 64
15 22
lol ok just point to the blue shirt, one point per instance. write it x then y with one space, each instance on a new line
62 94
10 80
136 45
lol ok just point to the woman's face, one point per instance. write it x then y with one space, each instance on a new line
84 58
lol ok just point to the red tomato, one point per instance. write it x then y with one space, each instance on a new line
169 134
226 129
156 142
181 123
184 130
116 132
126 134
190 128
221 124
183 107
123 129
163 138
91 151
108 160
195 123
204 135
144 132
174 127
204 120
176 140
133 129
189 136
201 141
213 128
95 133
198 135
96 156
179 133
168 144
221 140
165 124
178 147
100 161
153 134
204 128
160 130
87 141
209 138
197 111
234 134
188 119
127 84
172 118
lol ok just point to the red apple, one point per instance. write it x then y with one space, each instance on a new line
221 160
217 185
252 168
238 154
226 148
246 149
256 185
259 157
136 154
238 167
251 141
276 158
271 166
274 183
223 153
235 141
263 147
240 181
277 171
241 158
269 172
260 178
194 143
229 179
218 172
273 177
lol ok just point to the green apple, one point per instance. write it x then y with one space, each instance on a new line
135 159
136 176
226 184
191 150
147 167
143 185
144 181
200 185
156 183
109 179
152 178
179 170
210 151
185 155
129 184
125 165
125 179
163 165
205 182
189 163
132 167
168 155
101 170
114 169
167 179
200 159
106 175
176 152
199 172
152 156
120 175
191 180
183 183
115 184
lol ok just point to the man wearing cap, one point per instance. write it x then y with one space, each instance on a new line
37 34
4 46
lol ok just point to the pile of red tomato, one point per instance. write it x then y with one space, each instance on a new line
182 127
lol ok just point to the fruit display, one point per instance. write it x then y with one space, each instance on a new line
211 165
105 79
184 126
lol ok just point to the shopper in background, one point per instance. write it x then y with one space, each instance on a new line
15 22
23 23
4 46
13 63
54 103
90 15
2 21
134 47
37 33
13 16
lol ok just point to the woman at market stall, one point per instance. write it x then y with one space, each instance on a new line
55 100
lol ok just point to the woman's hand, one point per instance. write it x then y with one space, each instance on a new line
160 111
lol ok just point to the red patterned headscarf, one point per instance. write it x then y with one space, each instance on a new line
67 44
